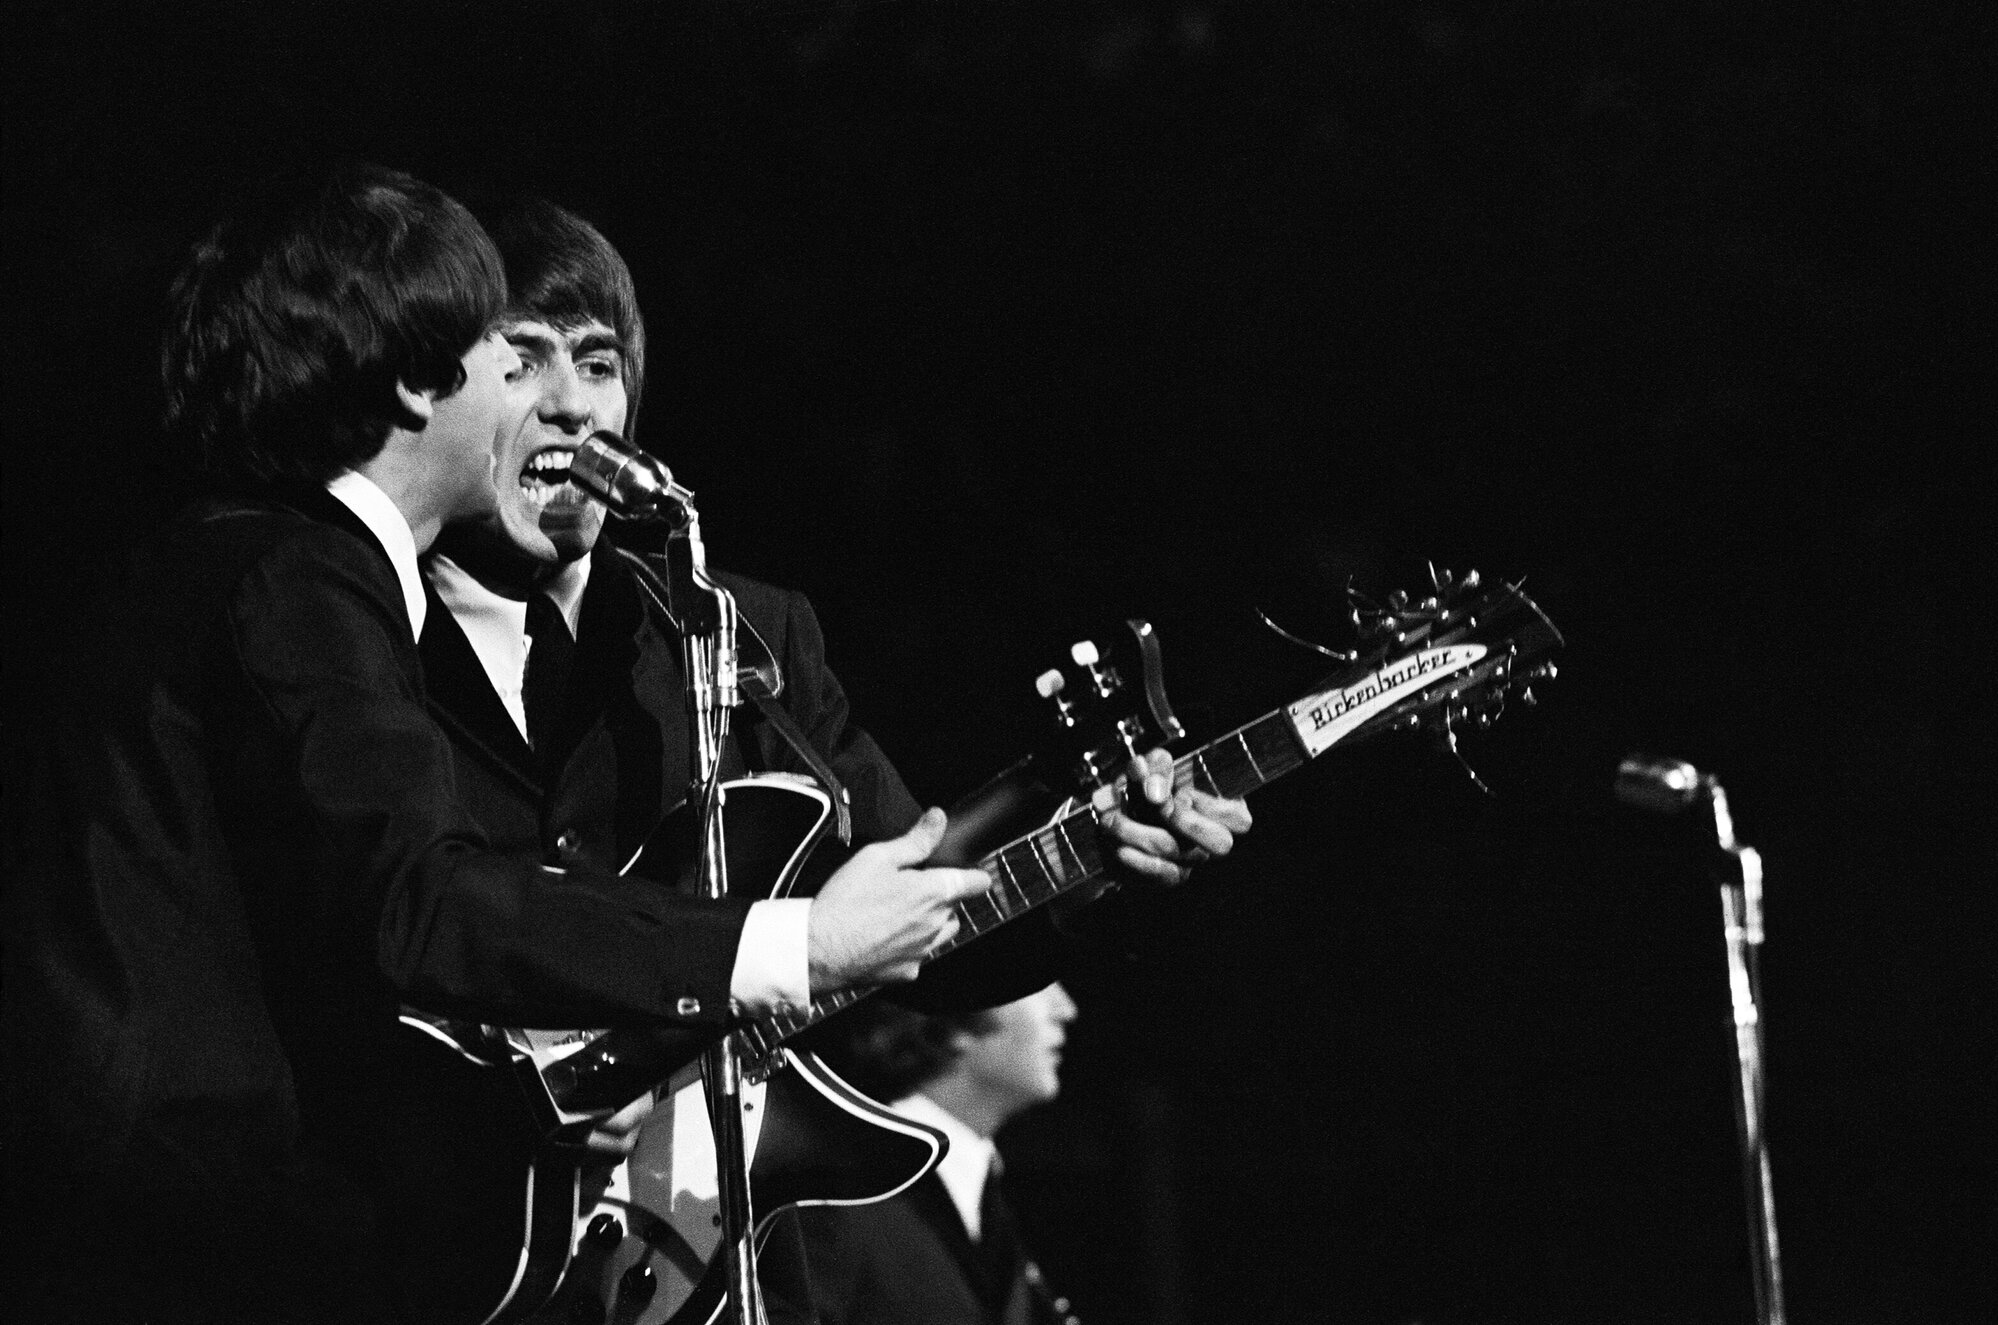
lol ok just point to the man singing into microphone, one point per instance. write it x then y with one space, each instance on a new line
562 690
256 852
552 673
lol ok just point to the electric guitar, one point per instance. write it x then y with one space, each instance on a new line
637 1243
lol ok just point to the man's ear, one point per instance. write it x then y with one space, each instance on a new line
417 406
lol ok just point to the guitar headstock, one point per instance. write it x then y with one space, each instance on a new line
1109 706
1450 659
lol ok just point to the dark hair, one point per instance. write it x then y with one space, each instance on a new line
562 271
888 1051
295 318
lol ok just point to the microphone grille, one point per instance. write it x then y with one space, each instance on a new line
1660 786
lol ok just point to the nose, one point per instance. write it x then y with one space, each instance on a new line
563 401
1061 1008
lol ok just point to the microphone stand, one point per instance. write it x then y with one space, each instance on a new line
1670 786
706 613
1738 870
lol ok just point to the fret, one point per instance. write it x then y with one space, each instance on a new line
1063 839
1205 773
1002 902
1250 755
1048 857
1007 879
979 913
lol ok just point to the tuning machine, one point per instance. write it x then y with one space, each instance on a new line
1104 720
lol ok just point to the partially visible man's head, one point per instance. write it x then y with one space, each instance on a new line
983 1066
572 316
296 320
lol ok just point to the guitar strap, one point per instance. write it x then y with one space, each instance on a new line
759 677
752 684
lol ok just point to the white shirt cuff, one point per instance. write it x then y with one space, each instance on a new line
773 969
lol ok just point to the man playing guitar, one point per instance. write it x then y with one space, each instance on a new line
580 761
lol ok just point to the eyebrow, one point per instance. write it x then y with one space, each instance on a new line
545 341
599 340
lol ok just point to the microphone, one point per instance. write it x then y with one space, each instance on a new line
630 482
1661 786
1670 786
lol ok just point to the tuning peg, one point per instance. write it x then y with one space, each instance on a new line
1049 685
1526 697
1086 655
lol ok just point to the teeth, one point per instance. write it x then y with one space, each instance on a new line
548 466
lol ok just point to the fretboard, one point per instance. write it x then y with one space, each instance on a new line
1060 858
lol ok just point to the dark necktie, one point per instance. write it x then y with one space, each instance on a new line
998 1239
545 690
1007 1263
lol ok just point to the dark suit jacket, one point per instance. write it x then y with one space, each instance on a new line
623 763
255 849
624 759
909 1261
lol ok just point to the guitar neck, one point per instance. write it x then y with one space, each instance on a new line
1062 857
1435 662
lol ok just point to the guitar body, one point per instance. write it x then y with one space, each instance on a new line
648 1250
513 1229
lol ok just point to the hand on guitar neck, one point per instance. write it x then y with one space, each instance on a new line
882 912
1160 833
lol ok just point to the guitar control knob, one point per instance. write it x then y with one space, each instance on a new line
638 1285
605 1231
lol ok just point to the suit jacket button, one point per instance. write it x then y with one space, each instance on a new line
569 845
688 1007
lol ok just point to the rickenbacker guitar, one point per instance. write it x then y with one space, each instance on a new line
636 1243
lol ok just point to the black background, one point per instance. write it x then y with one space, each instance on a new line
990 324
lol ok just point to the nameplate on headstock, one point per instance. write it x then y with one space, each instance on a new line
1330 715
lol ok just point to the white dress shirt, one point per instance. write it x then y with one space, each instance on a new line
772 969
384 519
965 1166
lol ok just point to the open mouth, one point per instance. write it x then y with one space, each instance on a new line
545 476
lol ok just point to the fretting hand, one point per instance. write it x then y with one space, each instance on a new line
1161 834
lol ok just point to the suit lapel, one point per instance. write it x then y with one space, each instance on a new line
462 697
931 1201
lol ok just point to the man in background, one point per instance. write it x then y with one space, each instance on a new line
947 1250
